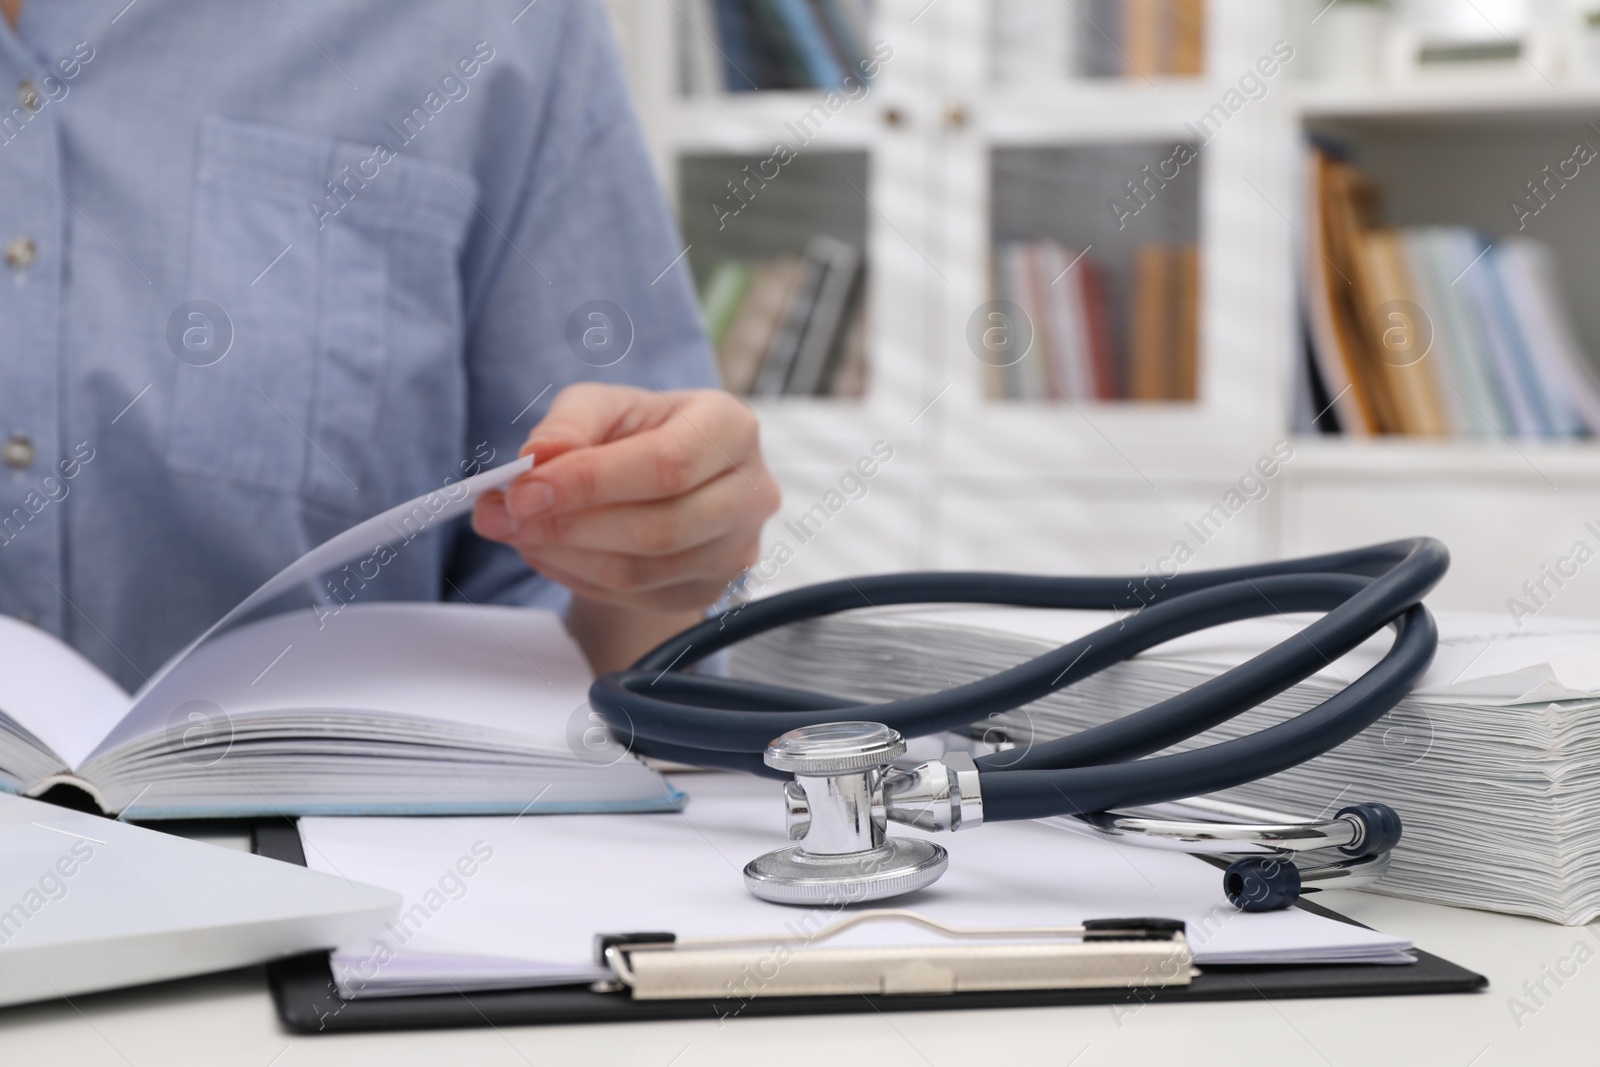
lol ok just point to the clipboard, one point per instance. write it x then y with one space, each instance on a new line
307 1000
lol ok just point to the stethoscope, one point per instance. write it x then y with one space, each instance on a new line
848 781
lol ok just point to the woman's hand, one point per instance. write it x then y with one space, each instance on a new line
644 504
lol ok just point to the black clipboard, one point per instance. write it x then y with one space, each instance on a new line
308 1001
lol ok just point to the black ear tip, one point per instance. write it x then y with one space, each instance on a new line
1262 883
1382 825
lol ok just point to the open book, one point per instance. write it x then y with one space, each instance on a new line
355 709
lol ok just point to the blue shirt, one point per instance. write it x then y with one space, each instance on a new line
272 267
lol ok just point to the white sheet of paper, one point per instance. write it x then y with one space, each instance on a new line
428 511
541 887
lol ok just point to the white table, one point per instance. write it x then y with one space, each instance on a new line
228 1020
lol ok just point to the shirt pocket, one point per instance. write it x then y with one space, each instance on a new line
323 279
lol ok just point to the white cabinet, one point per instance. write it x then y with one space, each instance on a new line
910 167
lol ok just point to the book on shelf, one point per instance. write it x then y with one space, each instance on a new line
1488 760
747 45
1040 40
790 325
347 707
1067 296
1435 330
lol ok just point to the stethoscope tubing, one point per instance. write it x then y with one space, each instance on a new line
661 711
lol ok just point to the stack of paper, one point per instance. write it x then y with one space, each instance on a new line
502 903
1491 762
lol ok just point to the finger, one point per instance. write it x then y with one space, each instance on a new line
490 518
656 528
701 441
618 572
589 413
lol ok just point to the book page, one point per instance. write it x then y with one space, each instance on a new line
397 525
508 670
51 691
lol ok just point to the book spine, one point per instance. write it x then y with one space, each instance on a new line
719 300
814 363
760 312
1098 37
1186 327
804 38
1102 347
1141 38
1147 332
842 45
850 375
1044 371
1570 366
1477 362
1335 364
1462 410
745 64
1188 34
1516 311
785 348
1527 415
1345 193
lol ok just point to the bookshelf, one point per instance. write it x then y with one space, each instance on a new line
1101 486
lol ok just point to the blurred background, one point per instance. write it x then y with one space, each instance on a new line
1126 285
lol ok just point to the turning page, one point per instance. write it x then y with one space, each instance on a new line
400 523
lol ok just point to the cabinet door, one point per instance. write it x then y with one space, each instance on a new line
862 516
1513 539
1097 528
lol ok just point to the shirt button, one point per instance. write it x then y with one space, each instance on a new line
21 252
28 96
17 452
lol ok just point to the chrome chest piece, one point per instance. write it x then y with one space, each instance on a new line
843 794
